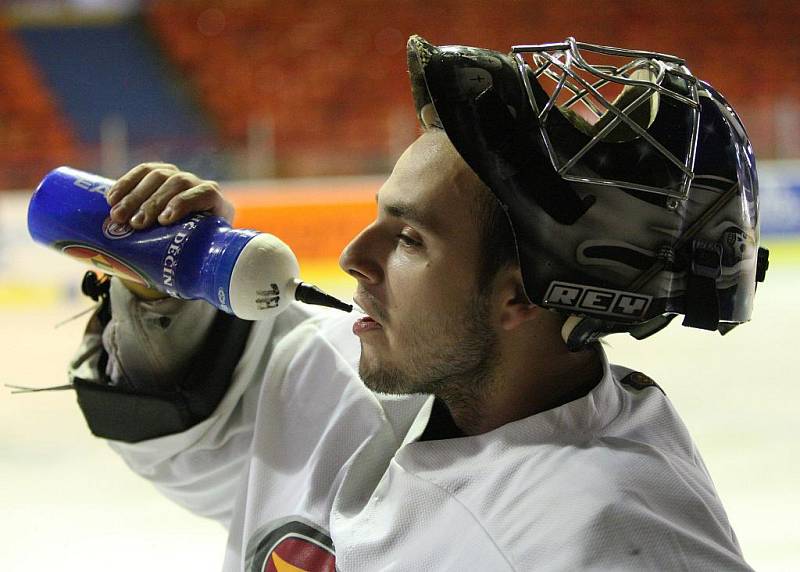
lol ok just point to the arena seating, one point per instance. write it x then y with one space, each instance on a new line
329 78
34 134
111 69
314 73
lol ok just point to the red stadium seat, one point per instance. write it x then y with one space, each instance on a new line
34 135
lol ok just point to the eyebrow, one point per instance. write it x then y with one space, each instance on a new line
408 212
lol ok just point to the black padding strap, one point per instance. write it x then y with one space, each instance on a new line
115 413
702 303
123 415
762 264
702 299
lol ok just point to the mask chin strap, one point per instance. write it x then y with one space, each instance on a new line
574 334
578 331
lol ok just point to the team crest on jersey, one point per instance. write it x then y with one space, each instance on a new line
293 545
638 380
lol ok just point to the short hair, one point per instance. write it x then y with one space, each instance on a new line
497 245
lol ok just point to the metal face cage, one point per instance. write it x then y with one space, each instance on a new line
646 75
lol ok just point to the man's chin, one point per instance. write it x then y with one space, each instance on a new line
383 379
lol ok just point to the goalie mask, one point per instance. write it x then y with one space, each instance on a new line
627 209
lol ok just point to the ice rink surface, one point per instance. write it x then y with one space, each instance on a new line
68 503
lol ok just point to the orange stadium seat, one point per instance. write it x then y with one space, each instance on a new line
34 135
331 76
331 80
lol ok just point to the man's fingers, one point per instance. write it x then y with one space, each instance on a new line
160 192
127 182
152 207
204 197
128 205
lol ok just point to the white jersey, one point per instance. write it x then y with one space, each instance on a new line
311 470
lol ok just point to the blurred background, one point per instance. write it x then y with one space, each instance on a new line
300 108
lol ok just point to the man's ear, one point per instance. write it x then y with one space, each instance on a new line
517 308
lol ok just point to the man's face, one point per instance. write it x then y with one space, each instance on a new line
429 330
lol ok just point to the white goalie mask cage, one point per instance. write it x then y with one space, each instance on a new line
579 84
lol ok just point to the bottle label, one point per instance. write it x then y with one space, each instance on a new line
169 265
104 261
114 230
90 183
190 259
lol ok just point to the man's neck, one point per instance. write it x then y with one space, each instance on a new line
524 385
441 424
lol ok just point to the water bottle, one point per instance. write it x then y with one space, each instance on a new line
247 273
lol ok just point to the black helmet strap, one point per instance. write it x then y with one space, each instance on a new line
702 300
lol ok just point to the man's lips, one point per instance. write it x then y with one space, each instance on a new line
365 324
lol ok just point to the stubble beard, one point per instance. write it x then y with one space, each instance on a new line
454 361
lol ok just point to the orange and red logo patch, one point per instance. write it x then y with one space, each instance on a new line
291 547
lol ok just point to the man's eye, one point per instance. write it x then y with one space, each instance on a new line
407 240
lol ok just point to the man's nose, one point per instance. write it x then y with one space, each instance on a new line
360 260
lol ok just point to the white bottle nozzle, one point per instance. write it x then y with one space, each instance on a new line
264 281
